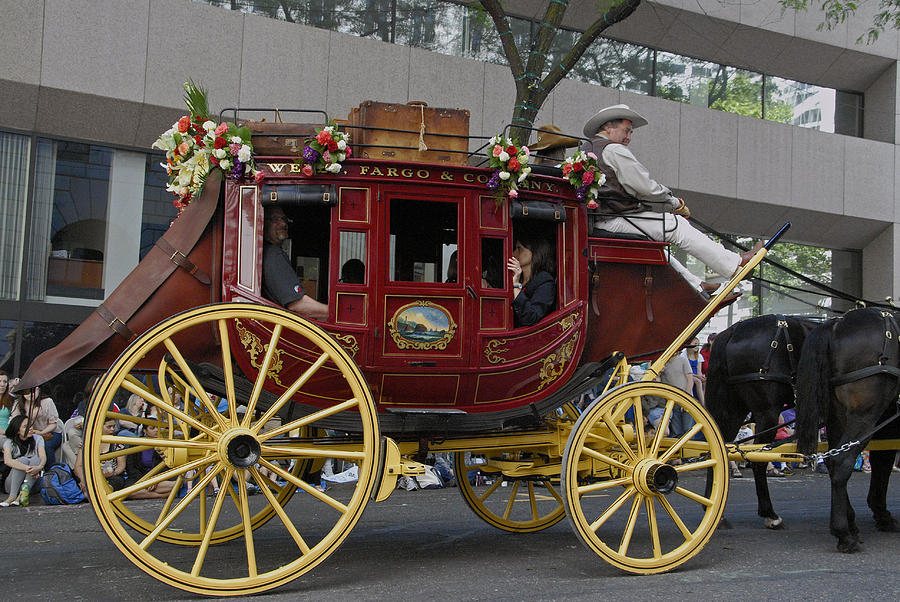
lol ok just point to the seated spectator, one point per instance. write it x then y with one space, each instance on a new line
23 452
6 405
533 269
42 418
135 406
353 272
72 441
279 281
114 468
140 463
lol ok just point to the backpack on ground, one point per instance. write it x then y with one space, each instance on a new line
58 486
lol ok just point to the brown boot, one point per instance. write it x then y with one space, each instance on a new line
748 255
708 286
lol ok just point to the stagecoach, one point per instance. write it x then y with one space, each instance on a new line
410 361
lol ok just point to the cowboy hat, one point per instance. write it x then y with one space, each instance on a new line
550 136
609 114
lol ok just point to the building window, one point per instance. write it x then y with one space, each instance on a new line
14 157
158 210
68 220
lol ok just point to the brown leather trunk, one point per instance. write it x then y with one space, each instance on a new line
279 139
381 130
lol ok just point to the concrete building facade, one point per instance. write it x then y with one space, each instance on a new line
104 78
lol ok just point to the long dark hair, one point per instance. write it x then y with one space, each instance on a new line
26 445
543 255
6 400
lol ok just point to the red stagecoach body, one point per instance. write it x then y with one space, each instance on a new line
612 295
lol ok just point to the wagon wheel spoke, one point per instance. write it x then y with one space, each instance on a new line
604 485
168 408
170 499
286 396
177 510
491 490
639 426
228 371
691 466
309 419
274 451
617 433
613 508
629 527
263 375
685 532
304 486
654 527
533 500
549 486
210 527
661 428
680 443
195 383
607 459
244 509
694 496
121 494
148 442
512 499
264 485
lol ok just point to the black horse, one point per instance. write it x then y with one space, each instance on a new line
848 380
752 367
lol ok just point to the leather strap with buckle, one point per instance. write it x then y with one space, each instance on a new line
113 321
181 260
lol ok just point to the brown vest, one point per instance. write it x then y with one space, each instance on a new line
612 197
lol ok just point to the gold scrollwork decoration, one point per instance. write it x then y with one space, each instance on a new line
348 342
255 348
409 332
569 321
555 362
493 350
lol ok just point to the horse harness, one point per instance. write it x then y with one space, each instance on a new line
887 361
782 335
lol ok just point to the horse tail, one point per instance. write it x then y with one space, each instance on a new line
716 395
813 387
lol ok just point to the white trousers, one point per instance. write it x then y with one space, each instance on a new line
679 231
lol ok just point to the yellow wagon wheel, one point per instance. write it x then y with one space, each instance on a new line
523 505
639 501
206 447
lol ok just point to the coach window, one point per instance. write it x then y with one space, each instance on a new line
492 263
424 241
352 258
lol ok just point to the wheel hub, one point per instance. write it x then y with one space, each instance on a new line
239 448
652 477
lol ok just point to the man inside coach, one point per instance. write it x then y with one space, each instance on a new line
279 281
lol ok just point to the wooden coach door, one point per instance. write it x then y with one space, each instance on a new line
423 331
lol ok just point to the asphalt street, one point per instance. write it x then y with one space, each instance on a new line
428 545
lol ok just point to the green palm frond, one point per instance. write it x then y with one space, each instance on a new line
196 99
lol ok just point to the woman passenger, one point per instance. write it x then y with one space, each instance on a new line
533 269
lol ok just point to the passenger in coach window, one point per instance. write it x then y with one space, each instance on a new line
279 281
533 270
